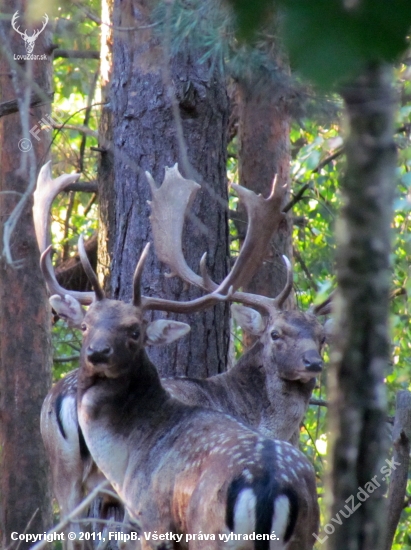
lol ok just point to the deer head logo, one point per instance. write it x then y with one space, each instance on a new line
29 41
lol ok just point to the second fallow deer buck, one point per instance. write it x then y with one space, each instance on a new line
270 386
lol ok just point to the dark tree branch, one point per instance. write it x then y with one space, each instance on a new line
66 359
318 402
83 187
327 160
304 267
76 54
297 197
9 107
87 120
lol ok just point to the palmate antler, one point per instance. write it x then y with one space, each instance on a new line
169 205
65 302
46 191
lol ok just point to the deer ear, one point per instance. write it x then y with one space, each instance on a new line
164 331
68 308
249 319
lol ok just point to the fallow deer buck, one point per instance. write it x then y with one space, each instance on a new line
249 391
180 469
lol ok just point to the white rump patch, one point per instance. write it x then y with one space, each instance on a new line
244 512
280 520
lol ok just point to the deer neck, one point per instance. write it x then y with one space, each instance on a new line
245 387
273 405
112 412
249 366
288 403
115 399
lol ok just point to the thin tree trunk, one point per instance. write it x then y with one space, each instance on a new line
361 352
264 151
150 94
25 346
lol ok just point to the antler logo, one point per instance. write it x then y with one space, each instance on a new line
29 41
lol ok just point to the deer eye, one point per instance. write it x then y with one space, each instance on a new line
275 335
83 327
135 333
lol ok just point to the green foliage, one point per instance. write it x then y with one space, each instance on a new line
330 41
67 344
209 28
75 89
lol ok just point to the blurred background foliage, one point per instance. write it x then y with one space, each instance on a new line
317 163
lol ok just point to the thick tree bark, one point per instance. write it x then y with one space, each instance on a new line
264 151
25 346
361 351
145 136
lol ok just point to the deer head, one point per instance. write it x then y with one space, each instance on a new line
110 350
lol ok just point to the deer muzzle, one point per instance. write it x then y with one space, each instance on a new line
99 353
312 361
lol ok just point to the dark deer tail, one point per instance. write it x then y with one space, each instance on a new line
261 506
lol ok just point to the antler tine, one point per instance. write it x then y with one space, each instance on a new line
137 299
53 286
264 217
325 307
281 298
209 284
159 304
92 277
269 305
46 191
13 23
38 32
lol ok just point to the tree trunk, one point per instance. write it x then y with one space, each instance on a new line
264 139
146 135
360 358
25 346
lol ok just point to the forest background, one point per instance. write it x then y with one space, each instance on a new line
277 119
